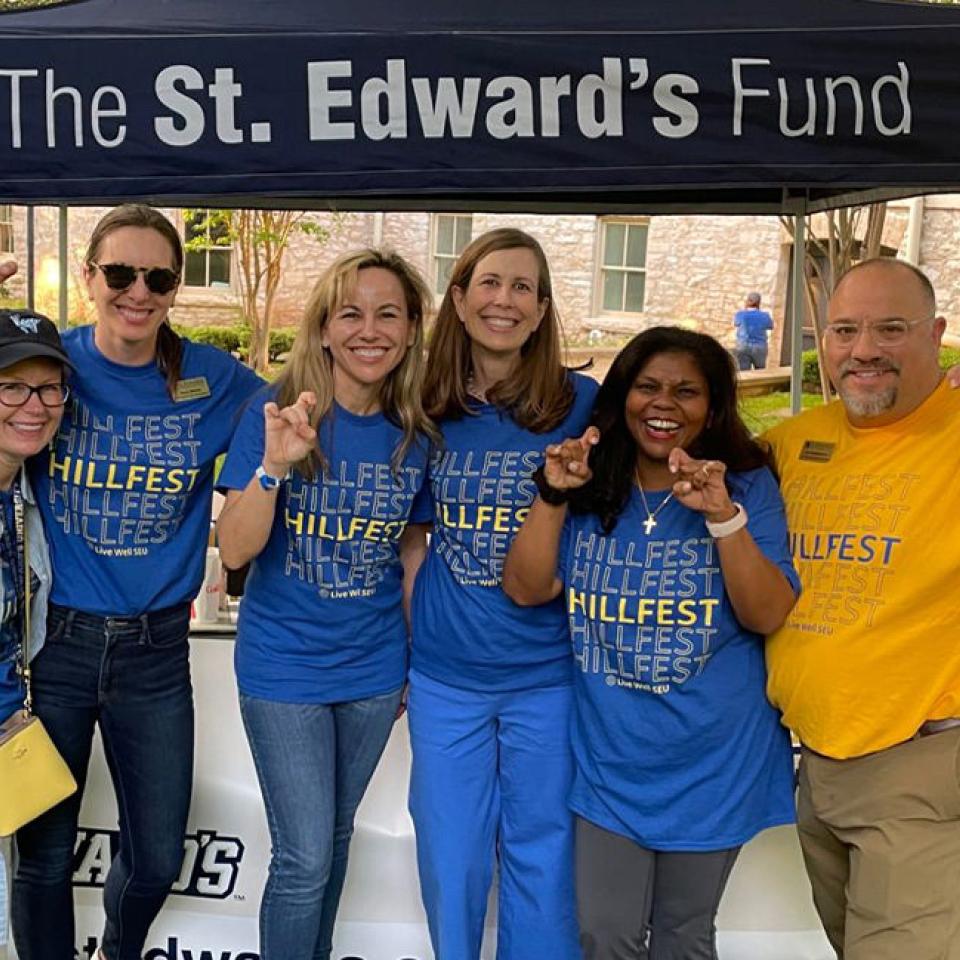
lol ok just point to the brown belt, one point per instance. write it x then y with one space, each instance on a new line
937 726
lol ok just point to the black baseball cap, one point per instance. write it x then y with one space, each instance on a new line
25 334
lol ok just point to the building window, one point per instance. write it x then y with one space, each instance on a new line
6 228
208 251
623 265
451 233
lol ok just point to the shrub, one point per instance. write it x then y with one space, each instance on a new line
281 341
226 338
949 357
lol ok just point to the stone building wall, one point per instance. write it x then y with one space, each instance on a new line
699 268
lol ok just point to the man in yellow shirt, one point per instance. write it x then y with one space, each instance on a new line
867 668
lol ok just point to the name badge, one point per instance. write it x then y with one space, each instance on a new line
193 388
817 451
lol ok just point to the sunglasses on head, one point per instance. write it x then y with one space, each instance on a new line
119 276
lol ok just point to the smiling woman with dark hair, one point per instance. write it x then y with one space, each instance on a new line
663 530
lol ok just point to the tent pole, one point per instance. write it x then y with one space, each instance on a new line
799 307
63 290
31 257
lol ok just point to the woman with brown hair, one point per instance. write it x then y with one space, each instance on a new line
490 682
124 491
321 482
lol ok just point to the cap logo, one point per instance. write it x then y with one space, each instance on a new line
24 324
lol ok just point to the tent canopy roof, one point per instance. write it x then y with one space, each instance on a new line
625 105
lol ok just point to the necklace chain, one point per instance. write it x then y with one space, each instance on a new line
651 520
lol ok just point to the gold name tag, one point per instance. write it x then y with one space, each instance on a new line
817 451
194 388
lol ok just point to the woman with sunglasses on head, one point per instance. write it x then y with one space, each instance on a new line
33 391
321 482
663 529
490 683
125 492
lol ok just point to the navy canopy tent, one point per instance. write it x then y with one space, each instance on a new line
542 105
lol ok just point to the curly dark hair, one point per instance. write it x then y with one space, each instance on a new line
724 437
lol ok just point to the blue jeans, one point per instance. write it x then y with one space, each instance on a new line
490 781
314 762
751 356
132 676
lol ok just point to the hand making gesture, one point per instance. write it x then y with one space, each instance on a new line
288 436
565 465
700 485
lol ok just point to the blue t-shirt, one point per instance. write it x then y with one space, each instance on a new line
752 326
466 631
125 492
675 744
321 619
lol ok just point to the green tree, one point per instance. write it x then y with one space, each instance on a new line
259 239
836 240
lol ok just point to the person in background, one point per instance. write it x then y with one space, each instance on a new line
322 481
490 683
752 326
662 531
33 390
867 668
124 490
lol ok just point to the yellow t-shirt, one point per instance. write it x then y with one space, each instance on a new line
872 648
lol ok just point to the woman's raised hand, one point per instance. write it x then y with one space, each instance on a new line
288 436
700 485
565 464
7 269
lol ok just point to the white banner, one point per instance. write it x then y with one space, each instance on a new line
212 914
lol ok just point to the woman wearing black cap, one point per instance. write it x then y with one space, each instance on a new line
32 395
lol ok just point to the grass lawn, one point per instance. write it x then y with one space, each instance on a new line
761 413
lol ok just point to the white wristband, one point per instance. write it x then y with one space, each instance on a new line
725 527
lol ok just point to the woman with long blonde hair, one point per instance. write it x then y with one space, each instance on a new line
321 482
490 683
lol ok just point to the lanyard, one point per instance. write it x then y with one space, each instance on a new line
15 542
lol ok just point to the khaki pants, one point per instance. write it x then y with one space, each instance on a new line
881 841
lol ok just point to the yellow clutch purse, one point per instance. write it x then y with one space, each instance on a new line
33 775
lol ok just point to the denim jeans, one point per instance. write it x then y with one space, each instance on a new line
751 356
130 675
314 762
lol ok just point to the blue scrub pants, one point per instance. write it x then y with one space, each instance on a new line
490 779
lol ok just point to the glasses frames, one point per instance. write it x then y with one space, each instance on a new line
884 333
119 276
18 394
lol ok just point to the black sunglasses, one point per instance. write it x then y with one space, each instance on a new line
119 276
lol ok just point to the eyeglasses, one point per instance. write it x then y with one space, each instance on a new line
884 333
16 393
119 276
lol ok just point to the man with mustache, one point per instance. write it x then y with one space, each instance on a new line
867 668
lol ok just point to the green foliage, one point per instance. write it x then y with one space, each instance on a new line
281 341
766 411
226 338
811 371
949 357
235 339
